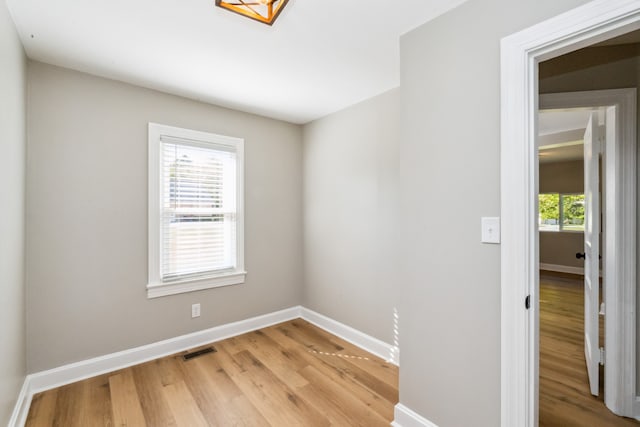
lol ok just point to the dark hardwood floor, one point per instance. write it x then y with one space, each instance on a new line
565 400
291 374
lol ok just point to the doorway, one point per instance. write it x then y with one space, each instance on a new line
572 148
521 54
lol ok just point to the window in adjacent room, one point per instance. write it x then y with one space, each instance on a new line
561 212
195 210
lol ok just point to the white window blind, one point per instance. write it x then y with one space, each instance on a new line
196 221
198 209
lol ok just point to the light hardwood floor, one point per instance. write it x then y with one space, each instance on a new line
291 374
565 400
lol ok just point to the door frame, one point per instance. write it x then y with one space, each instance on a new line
520 54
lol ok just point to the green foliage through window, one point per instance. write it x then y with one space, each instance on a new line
561 212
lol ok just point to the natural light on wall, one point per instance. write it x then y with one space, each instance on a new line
394 354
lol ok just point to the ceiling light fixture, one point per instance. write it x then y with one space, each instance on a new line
265 11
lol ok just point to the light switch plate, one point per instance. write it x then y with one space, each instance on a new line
490 230
195 310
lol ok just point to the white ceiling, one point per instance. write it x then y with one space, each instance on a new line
318 57
560 134
562 153
556 121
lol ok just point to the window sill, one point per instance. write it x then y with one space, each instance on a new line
562 231
156 290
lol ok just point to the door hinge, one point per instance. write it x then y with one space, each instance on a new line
602 356
601 309
527 302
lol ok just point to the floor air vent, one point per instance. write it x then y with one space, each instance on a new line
197 353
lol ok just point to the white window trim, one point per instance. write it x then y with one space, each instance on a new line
155 286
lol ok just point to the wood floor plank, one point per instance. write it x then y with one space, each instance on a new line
339 375
98 403
325 349
341 406
353 354
290 370
183 406
565 399
219 398
152 399
276 402
71 405
43 406
271 354
125 404
291 374
168 368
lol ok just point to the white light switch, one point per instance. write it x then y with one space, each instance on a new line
490 230
195 310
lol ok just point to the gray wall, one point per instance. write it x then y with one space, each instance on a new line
449 178
350 192
562 177
560 248
87 217
592 68
12 224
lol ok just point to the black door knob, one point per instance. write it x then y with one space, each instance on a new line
581 255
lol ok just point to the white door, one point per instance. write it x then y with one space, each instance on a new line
591 252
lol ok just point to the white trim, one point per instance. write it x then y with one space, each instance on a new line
46 380
562 268
73 372
21 409
164 289
405 417
520 53
155 286
373 345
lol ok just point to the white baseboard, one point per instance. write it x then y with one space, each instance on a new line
405 417
562 268
21 410
373 345
46 380
52 378
73 372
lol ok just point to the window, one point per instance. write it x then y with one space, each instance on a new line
561 212
195 210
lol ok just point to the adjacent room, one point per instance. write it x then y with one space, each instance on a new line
294 213
581 125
